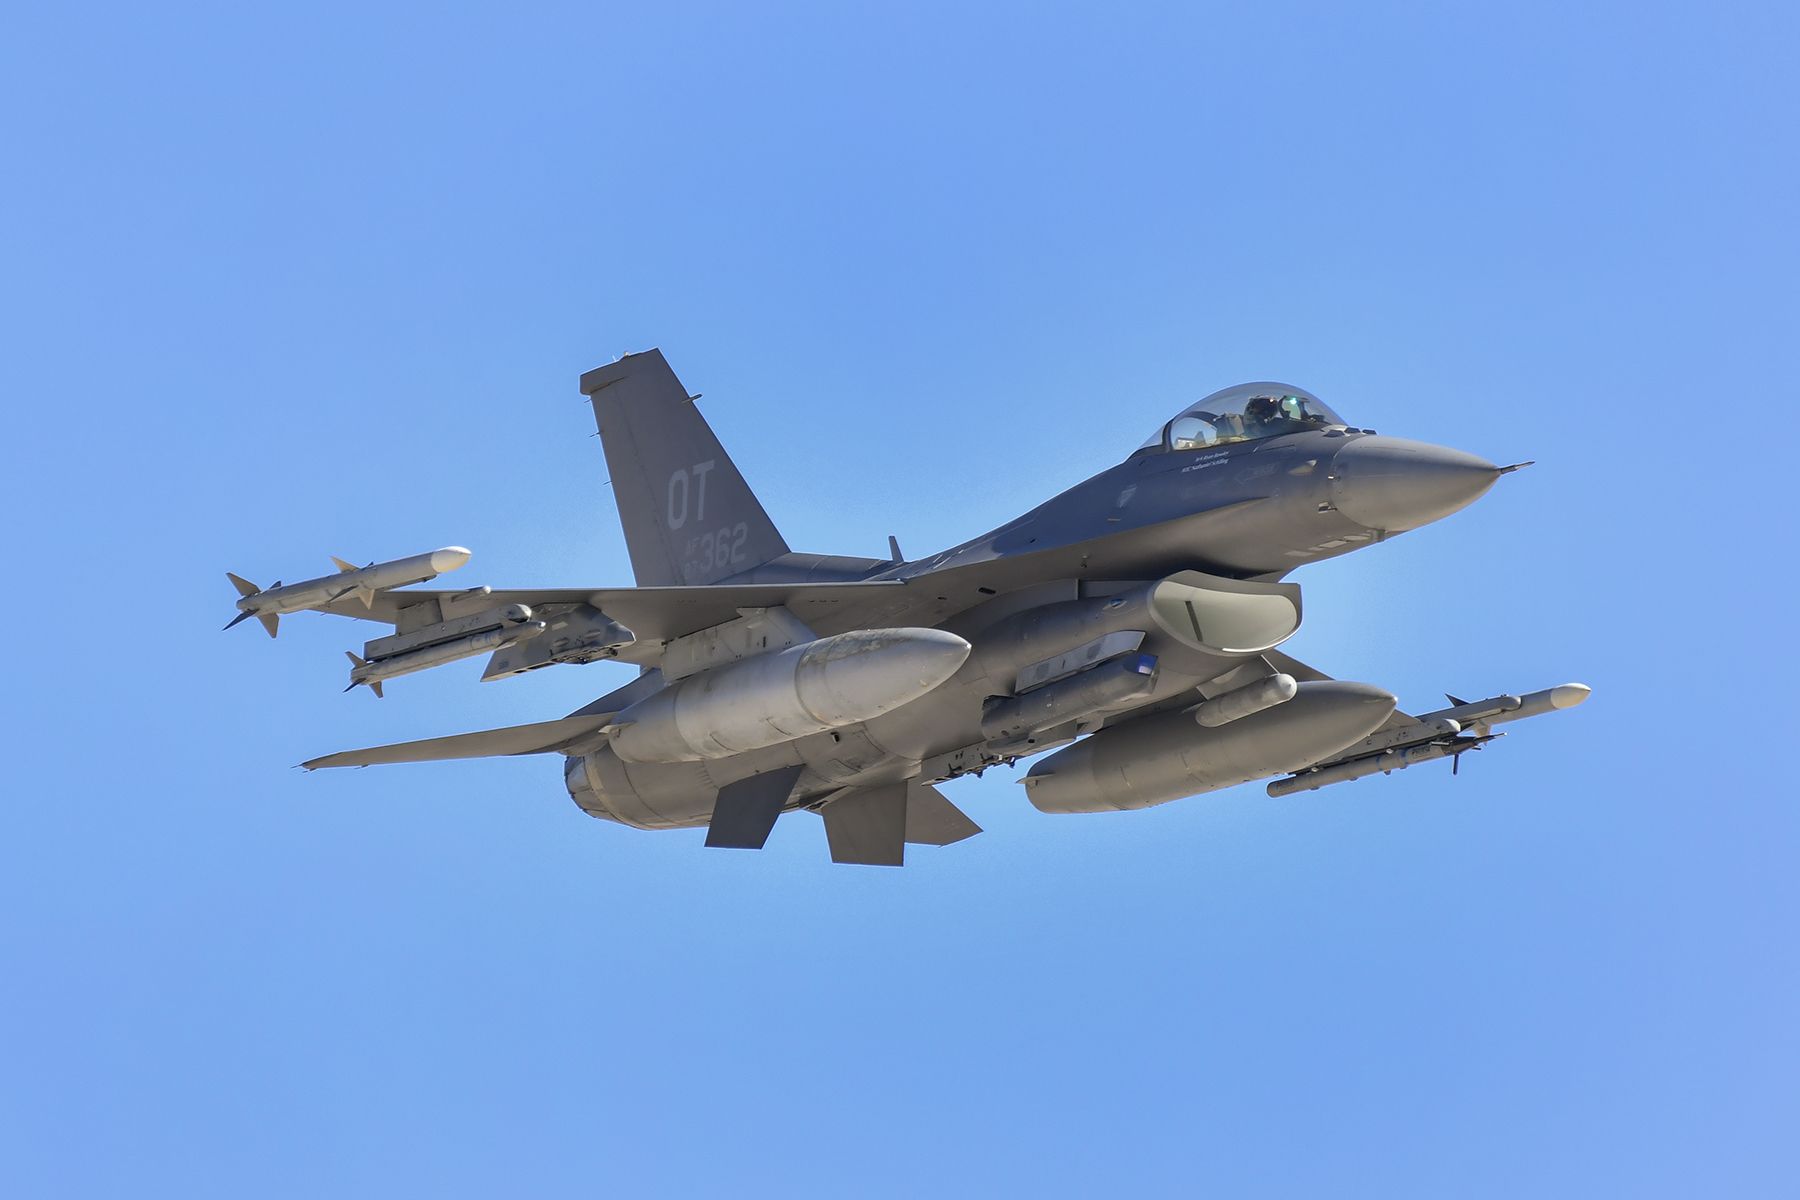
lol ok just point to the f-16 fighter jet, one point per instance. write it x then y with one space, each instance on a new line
1130 625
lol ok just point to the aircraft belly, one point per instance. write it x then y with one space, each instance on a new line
667 796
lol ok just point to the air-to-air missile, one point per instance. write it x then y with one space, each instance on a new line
1434 736
268 604
444 642
819 685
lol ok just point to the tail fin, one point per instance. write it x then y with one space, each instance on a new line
355 664
689 517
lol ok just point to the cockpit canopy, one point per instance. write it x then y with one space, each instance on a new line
1244 414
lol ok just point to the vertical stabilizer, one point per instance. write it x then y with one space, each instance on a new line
689 517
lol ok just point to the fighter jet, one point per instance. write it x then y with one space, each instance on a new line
1130 624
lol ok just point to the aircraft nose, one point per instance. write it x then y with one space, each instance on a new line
1393 484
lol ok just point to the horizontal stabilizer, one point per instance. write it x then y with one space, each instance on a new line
540 738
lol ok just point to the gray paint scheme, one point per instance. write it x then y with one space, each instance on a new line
745 811
689 516
1225 521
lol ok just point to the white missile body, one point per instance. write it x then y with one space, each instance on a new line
1432 737
1502 709
373 673
825 684
505 616
267 604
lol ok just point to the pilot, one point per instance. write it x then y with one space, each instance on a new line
1263 416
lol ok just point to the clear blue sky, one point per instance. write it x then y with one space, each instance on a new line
284 285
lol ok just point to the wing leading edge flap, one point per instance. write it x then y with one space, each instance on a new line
540 738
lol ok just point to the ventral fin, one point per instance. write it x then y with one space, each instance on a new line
745 811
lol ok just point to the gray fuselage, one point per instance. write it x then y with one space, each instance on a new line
1251 510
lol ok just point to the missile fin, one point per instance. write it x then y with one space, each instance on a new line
355 662
342 566
243 616
270 622
367 596
244 586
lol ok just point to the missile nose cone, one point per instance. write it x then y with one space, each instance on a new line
1569 695
1393 484
449 558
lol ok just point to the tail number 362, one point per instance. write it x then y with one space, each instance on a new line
719 547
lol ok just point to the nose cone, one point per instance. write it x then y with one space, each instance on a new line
1337 713
857 676
1392 484
449 558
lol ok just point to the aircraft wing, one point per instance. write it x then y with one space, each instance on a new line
655 614
539 738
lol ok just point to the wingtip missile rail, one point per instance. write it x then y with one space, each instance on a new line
1447 733
268 604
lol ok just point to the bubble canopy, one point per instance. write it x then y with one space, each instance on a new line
1245 413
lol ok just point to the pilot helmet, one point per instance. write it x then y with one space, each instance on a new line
1263 410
